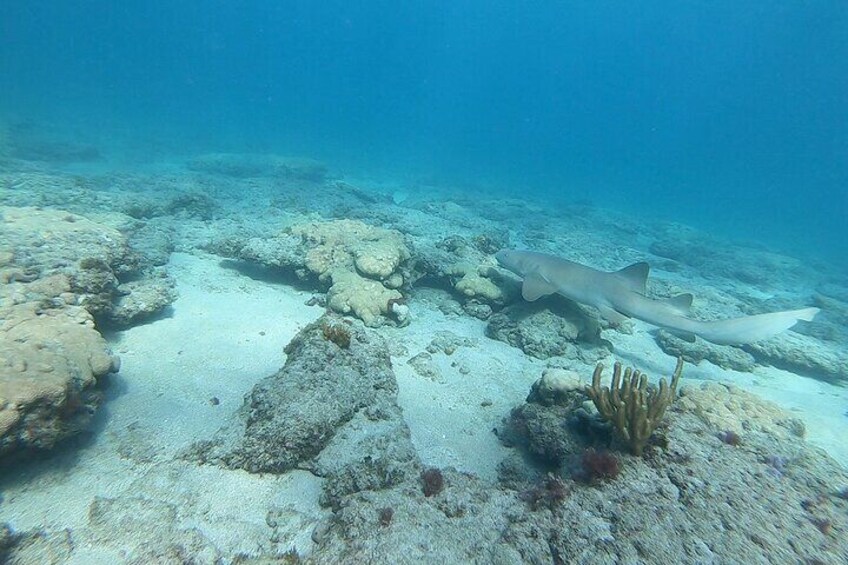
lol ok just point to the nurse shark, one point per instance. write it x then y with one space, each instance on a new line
621 294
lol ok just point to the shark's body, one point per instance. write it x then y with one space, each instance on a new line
621 294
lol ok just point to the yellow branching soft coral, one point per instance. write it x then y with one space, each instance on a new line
630 406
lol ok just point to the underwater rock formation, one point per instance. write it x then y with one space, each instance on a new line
804 355
693 497
360 262
61 272
362 266
465 265
51 363
790 351
246 165
728 408
630 406
331 409
699 350
87 264
549 328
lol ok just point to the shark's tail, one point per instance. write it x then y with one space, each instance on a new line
748 329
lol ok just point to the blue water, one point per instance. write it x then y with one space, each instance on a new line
729 116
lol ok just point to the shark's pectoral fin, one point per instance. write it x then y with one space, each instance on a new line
681 303
635 276
535 287
613 316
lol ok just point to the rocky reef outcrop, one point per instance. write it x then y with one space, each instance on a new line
362 267
60 273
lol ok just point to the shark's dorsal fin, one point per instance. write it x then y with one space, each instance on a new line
535 287
680 303
636 276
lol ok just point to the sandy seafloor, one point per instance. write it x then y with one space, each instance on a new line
228 327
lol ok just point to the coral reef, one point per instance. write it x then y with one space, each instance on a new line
352 245
368 300
775 498
730 506
361 266
726 477
59 273
465 264
471 282
730 409
628 404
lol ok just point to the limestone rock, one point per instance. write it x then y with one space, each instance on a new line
805 355
51 361
327 385
65 257
549 328
699 350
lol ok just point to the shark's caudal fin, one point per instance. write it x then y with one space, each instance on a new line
749 329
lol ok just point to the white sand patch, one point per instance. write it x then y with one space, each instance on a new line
227 332
452 417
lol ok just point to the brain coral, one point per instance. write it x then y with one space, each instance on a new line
50 364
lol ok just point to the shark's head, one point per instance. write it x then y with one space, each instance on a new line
511 260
